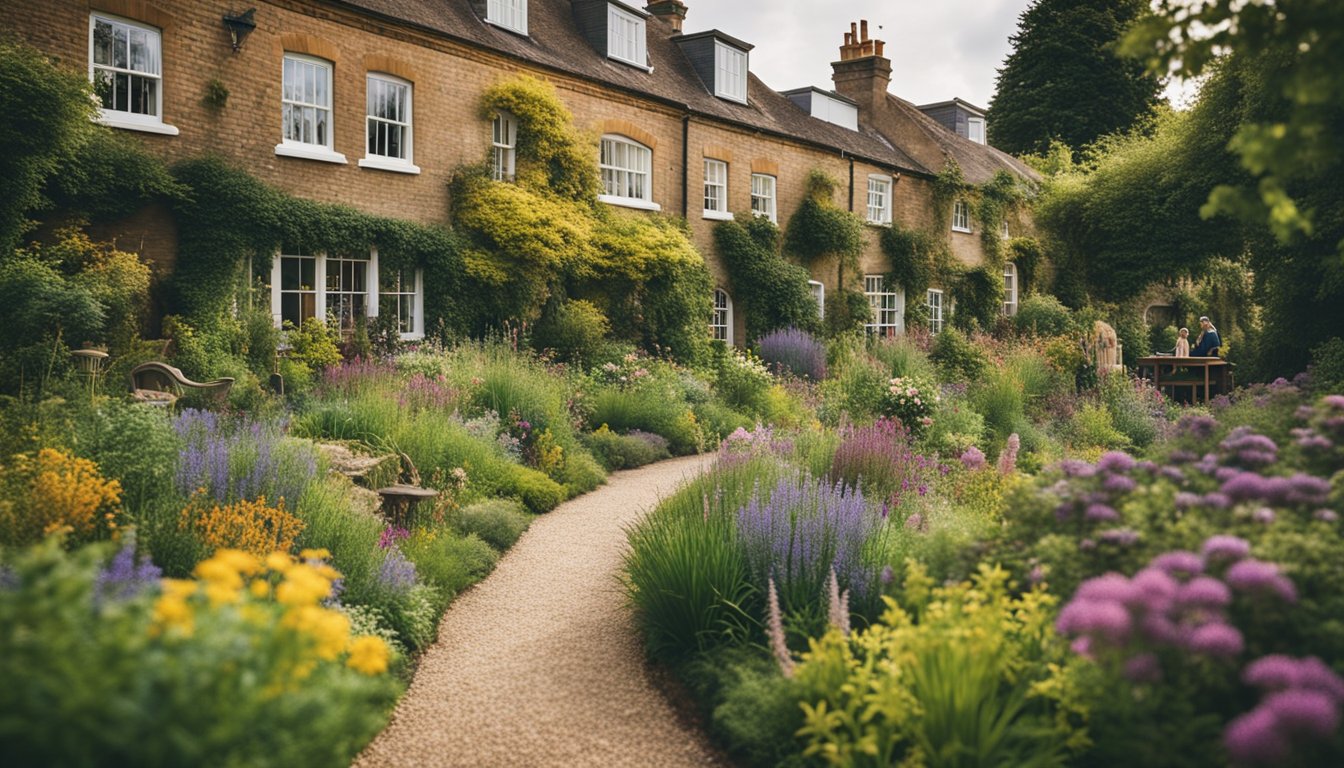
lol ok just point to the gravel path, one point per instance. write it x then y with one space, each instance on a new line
541 664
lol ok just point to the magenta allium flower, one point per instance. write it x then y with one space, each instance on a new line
1333 401
1087 545
1186 500
1123 537
1216 639
1076 468
1110 587
1204 592
1159 629
1217 500
1255 738
1146 466
1118 484
1225 548
1143 668
973 458
1171 473
1258 576
1308 489
1223 474
1117 462
1264 515
1326 515
1105 619
1304 711
1153 589
1179 562
1100 513
1273 672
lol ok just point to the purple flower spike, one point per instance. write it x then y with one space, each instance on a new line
1254 738
1179 563
1216 639
1225 548
1310 712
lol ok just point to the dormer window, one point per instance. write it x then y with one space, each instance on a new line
975 129
510 14
730 72
626 36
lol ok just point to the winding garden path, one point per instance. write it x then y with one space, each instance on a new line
541 664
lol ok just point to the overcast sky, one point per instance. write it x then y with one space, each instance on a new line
938 48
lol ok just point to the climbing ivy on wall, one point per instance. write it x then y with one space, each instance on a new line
994 200
543 237
919 259
771 291
821 230
978 294
230 217
1028 255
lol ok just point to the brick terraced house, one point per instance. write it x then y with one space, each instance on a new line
374 103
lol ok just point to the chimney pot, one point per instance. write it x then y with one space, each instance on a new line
879 46
673 10
863 25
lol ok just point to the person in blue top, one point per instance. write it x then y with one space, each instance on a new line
1208 342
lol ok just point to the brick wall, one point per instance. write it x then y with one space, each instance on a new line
449 131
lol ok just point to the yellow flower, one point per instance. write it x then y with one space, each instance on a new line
217 572
221 594
173 612
178 588
240 561
329 629
369 655
314 554
279 562
303 585
260 589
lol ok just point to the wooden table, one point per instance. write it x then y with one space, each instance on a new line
1215 372
400 500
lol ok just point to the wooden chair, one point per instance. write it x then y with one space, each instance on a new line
159 383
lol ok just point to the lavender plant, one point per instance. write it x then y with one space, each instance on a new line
794 351
239 458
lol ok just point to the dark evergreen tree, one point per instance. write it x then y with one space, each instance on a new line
1063 79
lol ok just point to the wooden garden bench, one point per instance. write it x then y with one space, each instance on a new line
162 384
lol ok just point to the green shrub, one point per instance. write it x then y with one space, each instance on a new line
450 563
855 389
755 708
742 380
1135 407
1092 426
579 470
538 492
957 357
903 357
956 427
719 421
575 330
313 344
1327 366
623 411
623 451
1042 315
1000 398
497 522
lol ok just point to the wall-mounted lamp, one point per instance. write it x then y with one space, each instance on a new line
240 26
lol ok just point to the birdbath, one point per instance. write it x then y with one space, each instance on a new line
400 500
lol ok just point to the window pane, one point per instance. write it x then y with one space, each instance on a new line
119 54
102 42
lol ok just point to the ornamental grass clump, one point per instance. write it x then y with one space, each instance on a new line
794 351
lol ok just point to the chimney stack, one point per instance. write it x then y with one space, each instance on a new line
862 73
673 10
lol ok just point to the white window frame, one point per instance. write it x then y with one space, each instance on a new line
934 300
503 146
716 190
763 187
390 299
888 306
879 199
1009 289
318 290
301 149
619 178
115 118
730 72
627 37
507 14
972 123
818 290
961 216
721 324
372 82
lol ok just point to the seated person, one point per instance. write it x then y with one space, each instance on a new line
1208 342
1183 343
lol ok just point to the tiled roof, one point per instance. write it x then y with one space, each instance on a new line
979 162
554 41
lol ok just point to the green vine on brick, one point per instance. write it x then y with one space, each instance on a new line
996 198
551 154
772 292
